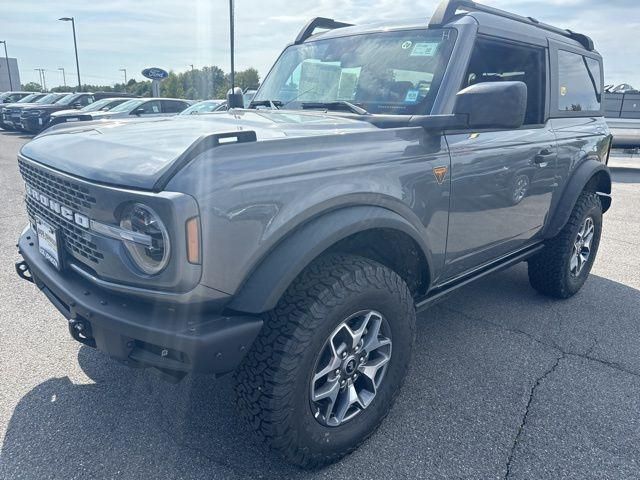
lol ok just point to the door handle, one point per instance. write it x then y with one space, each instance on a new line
544 156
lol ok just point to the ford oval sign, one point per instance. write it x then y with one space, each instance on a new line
155 73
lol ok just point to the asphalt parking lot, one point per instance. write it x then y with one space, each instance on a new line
505 383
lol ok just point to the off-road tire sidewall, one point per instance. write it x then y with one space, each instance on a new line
342 438
549 271
333 289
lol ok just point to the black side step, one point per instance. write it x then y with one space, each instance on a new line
439 293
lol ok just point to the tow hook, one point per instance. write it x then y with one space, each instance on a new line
22 269
81 332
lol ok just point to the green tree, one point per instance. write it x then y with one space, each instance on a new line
32 87
248 79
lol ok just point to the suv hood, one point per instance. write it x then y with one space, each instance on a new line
68 111
49 107
136 153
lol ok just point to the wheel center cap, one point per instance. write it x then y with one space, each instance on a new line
349 366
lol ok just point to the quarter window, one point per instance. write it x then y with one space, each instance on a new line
579 83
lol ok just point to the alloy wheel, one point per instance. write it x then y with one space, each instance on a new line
350 368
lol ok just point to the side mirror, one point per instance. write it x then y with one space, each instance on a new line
499 105
77 105
138 111
235 99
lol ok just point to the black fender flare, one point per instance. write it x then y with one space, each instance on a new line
574 187
264 286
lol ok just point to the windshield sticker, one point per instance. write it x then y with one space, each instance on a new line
424 49
412 96
407 45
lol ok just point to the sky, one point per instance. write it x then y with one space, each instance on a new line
174 34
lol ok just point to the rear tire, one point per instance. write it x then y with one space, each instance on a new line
561 269
276 384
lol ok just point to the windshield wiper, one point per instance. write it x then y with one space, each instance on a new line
274 104
335 105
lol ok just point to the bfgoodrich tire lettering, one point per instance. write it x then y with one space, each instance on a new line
274 381
553 271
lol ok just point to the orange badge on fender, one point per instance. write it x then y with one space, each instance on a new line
440 173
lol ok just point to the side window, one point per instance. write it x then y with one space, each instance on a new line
85 100
579 83
173 107
494 61
150 108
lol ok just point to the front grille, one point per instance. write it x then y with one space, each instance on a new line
63 191
76 240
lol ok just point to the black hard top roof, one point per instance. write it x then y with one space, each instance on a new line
448 13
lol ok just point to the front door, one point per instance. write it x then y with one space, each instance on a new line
502 182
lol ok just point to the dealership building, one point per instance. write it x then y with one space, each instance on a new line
4 74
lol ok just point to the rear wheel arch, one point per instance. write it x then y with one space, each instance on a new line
591 176
371 232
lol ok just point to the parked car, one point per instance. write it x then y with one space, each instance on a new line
4 108
36 119
294 241
140 108
622 109
248 96
68 116
13 114
206 106
11 97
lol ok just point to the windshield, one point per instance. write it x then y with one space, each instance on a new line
52 97
389 72
128 106
69 99
28 98
203 107
97 105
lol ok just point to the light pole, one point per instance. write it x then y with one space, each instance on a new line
43 80
192 67
64 77
75 46
6 56
231 32
125 75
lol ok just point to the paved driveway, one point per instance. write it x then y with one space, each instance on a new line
504 383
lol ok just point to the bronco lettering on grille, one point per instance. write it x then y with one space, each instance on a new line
65 212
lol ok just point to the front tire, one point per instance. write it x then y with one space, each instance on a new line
313 385
561 269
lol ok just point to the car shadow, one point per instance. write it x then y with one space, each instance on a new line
128 423
24 135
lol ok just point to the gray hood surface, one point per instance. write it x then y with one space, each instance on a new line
136 153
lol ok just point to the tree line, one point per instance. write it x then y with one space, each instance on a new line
197 84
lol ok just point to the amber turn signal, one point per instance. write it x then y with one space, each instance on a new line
193 240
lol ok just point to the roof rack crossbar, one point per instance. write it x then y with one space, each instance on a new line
448 9
318 22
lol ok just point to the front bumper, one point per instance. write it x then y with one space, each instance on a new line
174 339
32 124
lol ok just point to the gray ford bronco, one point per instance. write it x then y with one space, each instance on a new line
377 169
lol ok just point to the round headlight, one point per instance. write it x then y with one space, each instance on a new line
150 247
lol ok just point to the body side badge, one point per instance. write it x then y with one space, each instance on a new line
440 173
